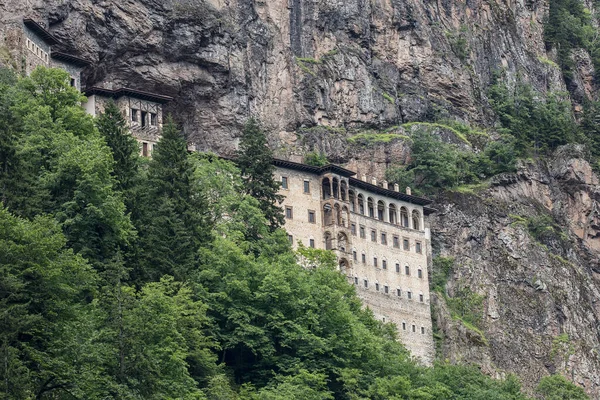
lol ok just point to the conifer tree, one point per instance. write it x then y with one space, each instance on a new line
125 149
174 222
255 161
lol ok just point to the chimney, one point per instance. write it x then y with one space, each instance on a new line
385 184
363 178
408 191
374 181
396 187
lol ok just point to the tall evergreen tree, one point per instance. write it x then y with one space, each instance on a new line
255 161
174 220
125 148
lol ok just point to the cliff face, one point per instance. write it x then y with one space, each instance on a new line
528 248
293 63
349 65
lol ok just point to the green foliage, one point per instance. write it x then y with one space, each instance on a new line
255 161
316 159
557 387
467 307
437 166
374 138
442 269
537 125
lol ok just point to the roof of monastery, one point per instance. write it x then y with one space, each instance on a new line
138 94
41 31
354 181
78 61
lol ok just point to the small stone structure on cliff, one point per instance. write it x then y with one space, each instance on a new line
380 237
142 110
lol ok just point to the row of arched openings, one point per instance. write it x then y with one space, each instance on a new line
391 213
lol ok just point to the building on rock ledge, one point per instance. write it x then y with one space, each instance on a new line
143 112
380 236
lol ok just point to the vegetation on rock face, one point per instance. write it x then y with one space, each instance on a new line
188 292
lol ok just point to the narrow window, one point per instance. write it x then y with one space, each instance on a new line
306 186
145 149
404 326
377 287
289 212
420 273
398 292
405 244
364 258
354 256
383 238
72 82
398 268
291 239
386 289
373 236
353 229
418 247
422 330
144 117
414 328
284 182
375 261
409 295
356 280
134 115
384 264
312 243
362 232
153 119
366 283
421 298
407 270
396 242
311 216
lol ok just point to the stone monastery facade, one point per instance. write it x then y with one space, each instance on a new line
380 236
33 45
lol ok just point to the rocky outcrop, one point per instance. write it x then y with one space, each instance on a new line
528 246
301 63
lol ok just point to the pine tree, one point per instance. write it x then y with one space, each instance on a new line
255 161
125 148
174 219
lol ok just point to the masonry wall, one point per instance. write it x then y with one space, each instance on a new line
73 70
35 51
388 307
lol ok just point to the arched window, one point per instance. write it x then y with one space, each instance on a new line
342 242
380 210
361 204
407 270
326 188
370 207
393 214
416 220
338 214
345 216
336 188
404 217
352 200
327 215
343 190
344 266
328 241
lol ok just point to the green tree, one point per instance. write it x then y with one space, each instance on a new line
255 161
557 387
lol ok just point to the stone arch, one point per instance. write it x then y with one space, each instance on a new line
404 217
416 220
328 241
344 266
371 207
361 204
327 215
326 188
381 210
393 214
342 242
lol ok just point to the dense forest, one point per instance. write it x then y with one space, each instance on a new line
171 278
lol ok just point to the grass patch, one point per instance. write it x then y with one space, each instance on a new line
388 97
434 125
442 268
548 62
473 188
369 139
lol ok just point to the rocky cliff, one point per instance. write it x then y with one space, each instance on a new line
526 249
316 72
